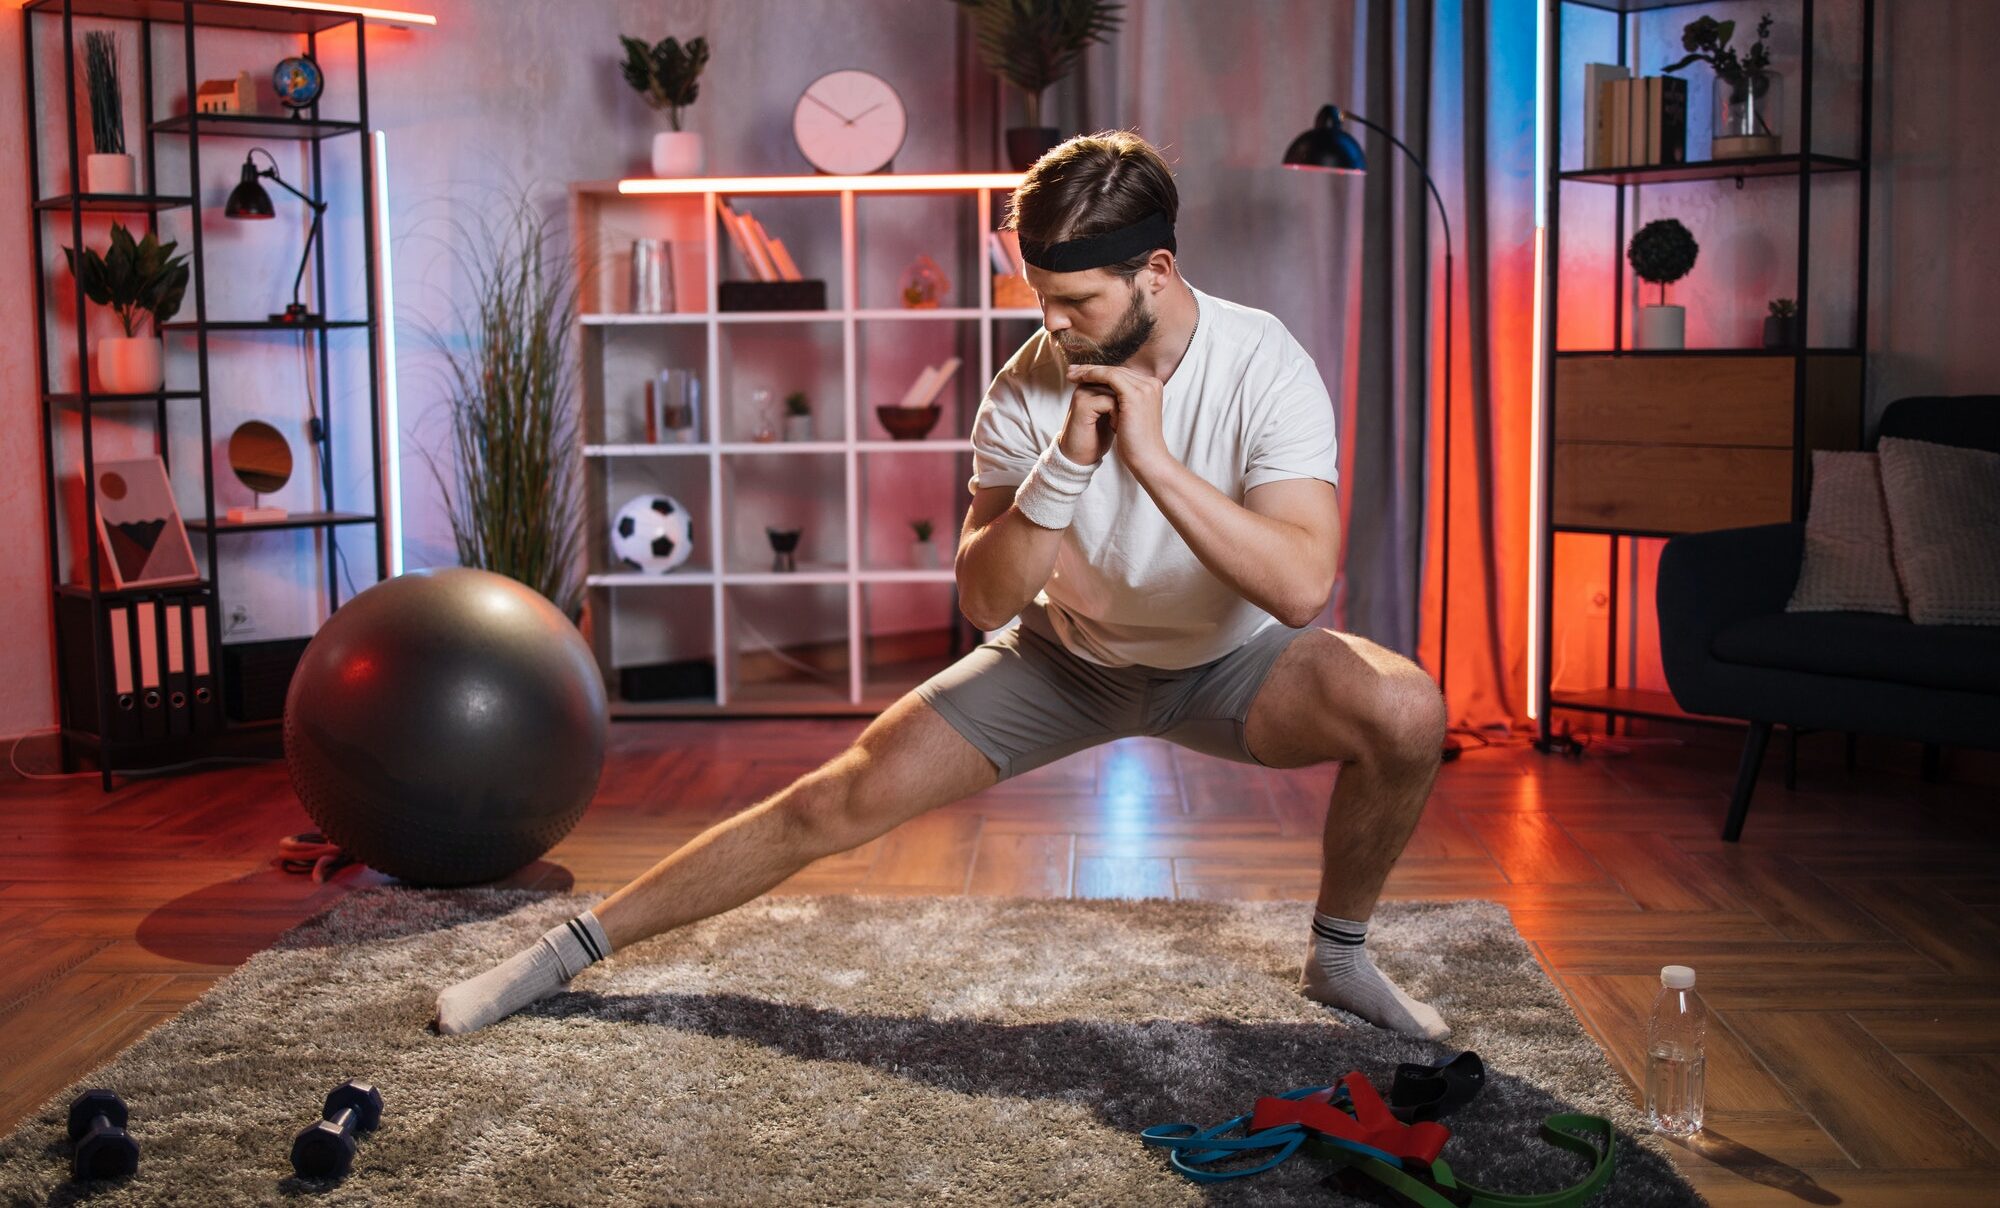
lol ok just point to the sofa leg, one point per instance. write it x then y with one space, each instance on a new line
1746 778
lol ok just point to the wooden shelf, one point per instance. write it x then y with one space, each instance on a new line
97 398
1713 169
214 14
265 325
114 203
253 125
296 520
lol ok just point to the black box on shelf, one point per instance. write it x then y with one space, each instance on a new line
258 676
772 295
688 678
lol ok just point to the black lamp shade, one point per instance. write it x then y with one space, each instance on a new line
248 199
1327 147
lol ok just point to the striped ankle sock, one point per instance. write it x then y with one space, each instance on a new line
528 976
1340 973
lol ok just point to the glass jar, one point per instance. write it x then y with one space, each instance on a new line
1749 112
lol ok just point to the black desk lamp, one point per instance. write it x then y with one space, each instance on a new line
249 200
1327 147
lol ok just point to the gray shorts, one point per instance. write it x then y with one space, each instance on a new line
1024 700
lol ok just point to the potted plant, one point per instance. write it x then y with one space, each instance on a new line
1662 253
1031 44
923 554
667 75
798 416
135 279
109 169
1781 325
1747 92
510 380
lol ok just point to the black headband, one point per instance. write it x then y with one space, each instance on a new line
1096 251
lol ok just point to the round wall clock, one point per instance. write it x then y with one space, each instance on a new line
849 123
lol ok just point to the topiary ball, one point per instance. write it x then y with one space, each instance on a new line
1662 252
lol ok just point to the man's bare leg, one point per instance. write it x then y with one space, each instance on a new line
908 761
1335 696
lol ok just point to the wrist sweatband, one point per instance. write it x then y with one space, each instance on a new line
1049 493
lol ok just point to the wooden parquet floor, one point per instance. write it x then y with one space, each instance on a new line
1849 947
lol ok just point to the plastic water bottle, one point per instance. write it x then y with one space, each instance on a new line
1675 1063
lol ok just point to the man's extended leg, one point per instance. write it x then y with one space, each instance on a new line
909 760
1334 696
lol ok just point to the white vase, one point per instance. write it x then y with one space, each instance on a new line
924 555
798 427
677 153
1662 327
109 174
129 365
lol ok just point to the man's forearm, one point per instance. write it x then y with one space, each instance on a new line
1267 562
1002 566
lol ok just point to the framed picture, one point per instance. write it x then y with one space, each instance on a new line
144 542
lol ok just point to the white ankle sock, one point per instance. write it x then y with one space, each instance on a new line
1339 973
532 974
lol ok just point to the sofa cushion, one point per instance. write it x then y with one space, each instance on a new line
1867 645
1944 514
1846 566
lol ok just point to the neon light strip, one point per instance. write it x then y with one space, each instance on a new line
879 183
389 15
1537 385
392 425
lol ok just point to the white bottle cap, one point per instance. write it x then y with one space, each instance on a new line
1677 977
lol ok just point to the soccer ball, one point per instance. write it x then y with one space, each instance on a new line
652 534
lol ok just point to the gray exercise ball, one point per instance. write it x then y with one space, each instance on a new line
446 726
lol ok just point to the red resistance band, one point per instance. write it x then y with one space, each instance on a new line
1371 1124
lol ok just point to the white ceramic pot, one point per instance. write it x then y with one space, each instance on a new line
1662 327
798 427
129 364
109 174
677 153
924 555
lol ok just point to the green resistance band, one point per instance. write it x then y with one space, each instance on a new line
1445 1190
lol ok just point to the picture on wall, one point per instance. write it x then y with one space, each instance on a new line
145 544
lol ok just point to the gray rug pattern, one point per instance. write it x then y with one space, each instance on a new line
823 1050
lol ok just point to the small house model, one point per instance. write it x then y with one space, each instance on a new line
227 96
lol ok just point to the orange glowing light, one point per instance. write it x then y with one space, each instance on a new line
915 182
390 16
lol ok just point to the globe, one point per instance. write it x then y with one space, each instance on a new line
298 82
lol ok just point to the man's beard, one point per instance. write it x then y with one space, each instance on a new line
1134 328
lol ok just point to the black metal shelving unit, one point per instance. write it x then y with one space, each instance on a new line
88 700
1803 167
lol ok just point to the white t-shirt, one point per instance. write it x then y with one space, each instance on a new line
1245 407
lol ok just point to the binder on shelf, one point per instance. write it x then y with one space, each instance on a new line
179 691
1597 113
121 719
152 693
207 707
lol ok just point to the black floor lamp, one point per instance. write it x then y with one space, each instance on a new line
1327 147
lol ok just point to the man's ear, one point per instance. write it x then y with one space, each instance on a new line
1161 265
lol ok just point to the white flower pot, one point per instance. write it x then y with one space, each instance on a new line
1662 327
677 153
109 174
924 555
129 364
798 427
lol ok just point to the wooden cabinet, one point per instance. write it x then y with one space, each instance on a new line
1650 444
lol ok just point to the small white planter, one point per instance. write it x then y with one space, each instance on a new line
109 174
129 365
924 555
1662 327
798 427
677 153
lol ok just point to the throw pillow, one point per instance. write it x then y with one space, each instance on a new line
1847 566
1944 529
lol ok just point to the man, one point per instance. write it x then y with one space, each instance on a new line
1153 496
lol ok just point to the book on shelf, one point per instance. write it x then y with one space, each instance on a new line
743 235
1666 117
1597 114
780 259
1012 240
1637 122
929 384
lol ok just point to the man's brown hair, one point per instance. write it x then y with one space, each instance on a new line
1092 184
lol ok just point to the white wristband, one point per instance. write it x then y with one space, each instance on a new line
1049 493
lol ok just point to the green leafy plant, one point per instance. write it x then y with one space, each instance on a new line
510 383
666 73
135 278
1033 43
1662 253
796 403
107 102
922 528
1783 308
1707 41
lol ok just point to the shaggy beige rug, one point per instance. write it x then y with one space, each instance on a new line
827 1050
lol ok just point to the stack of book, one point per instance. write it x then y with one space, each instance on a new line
765 257
1010 275
1632 122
